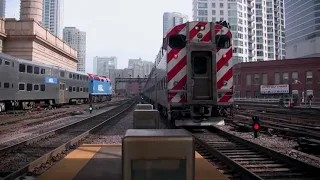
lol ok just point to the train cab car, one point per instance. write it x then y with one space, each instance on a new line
100 88
26 84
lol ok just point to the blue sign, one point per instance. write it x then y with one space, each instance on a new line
51 80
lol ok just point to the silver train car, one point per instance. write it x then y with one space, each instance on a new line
192 81
26 84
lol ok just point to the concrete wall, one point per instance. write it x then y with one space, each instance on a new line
28 40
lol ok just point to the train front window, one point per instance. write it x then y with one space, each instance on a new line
199 61
223 41
177 41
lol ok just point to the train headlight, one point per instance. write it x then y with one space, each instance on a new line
202 27
197 28
175 56
225 83
224 56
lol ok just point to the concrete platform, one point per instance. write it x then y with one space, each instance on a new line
103 161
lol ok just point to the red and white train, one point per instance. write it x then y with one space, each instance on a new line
192 81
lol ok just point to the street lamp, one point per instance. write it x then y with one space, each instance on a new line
303 95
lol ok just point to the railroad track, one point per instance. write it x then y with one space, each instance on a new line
241 159
27 156
41 118
285 128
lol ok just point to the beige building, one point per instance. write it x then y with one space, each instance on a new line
28 39
120 73
140 68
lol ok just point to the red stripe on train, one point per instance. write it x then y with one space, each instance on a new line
224 61
226 77
175 70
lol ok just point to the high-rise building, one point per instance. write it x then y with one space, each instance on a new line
171 19
140 68
2 8
302 28
103 65
257 26
77 40
52 16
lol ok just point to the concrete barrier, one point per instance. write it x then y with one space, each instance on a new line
146 119
144 106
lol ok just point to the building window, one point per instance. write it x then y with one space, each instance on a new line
248 79
276 78
294 77
309 77
248 94
285 77
264 78
256 79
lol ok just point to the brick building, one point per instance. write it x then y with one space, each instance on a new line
302 76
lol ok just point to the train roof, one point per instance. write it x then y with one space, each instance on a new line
220 24
9 57
100 77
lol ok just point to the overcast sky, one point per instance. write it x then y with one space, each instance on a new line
122 28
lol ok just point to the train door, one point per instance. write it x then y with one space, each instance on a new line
201 75
62 95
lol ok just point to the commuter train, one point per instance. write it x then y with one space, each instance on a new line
192 83
27 84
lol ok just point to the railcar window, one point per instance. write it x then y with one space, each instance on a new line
12 64
81 78
29 69
6 85
223 41
78 89
36 70
177 41
199 62
70 89
21 87
43 71
78 76
81 89
61 74
74 76
29 87
73 89
36 87
0 61
42 87
70 75
22 68
0 84
7 63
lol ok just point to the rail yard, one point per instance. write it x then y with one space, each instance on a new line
233 152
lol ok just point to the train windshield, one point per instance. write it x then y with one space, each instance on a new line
223 41
177 41
199 61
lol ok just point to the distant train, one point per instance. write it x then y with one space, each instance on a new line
26 84
193 74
